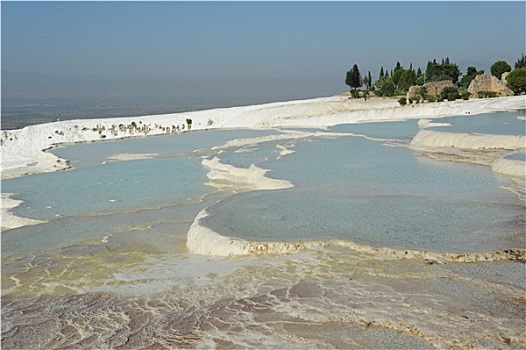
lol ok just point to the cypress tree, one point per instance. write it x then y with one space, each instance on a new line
356 77
348 78
353 77
430 70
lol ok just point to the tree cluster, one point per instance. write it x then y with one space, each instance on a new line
399 80
443 71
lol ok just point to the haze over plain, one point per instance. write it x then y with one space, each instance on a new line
196 55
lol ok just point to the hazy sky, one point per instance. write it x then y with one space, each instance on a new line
254 41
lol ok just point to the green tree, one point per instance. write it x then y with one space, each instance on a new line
348 78
381 73
370 84
443 71
406 80
471 73
396 75
516 80
420 79
450 71
500 67
521 62
353 78
430 71
450 93
387 87
365 81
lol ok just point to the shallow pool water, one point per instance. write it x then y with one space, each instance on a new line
165 146
363 191
516 156
108 187
501 123
402 130
100 198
